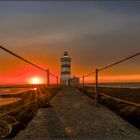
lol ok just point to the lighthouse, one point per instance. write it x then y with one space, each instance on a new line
65 69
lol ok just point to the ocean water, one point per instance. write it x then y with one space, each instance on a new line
119 85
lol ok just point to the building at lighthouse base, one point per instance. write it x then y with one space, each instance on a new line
70 82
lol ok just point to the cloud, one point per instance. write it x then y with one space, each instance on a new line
94 34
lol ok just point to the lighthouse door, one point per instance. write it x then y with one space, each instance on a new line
68 82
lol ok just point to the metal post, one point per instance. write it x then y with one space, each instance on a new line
36 104
48 77
83 83
57 80
96 88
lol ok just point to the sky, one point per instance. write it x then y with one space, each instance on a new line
94 33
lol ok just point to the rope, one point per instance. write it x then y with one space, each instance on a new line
119 61
120 100
116 99
23 59
89 74
90 90
108 66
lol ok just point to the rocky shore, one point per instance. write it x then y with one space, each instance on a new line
12 123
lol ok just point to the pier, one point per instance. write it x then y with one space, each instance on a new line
73 115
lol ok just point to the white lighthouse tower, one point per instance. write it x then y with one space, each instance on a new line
65 69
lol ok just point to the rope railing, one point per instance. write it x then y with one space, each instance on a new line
90 90
87 75
91 73
101 69
27 61
108 66
120 100
40 68
115 99
115 63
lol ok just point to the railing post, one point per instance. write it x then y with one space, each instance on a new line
83 83
36 104
48 77
57 80
96 87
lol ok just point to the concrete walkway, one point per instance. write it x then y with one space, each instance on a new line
73 115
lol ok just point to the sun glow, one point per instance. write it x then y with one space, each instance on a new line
35 88
35 80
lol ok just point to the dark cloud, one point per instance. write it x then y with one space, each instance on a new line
95 34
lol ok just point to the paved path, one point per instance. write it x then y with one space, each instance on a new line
73 115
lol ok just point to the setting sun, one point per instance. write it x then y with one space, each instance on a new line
35 80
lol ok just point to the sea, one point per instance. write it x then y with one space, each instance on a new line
119 85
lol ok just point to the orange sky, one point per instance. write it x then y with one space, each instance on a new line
14 72
108 79
95 34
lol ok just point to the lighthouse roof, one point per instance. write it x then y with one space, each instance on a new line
65 57
65 53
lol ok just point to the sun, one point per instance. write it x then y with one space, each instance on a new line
35 80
